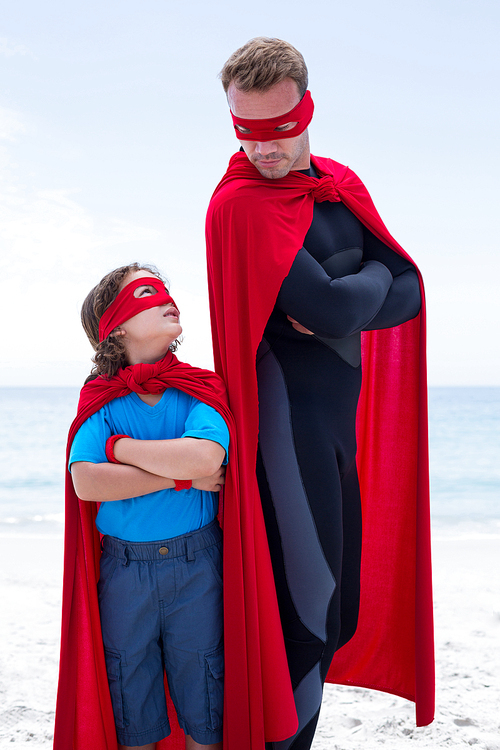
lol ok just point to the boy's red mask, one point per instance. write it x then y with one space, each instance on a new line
125 305
265 130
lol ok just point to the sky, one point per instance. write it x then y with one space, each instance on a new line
114 131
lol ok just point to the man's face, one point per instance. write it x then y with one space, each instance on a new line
273 159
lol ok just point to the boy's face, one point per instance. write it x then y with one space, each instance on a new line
148 335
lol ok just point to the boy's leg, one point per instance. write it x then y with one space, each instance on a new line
193 745
192 639
190 745
131 632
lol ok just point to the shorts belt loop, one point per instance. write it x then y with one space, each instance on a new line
189 549
127 559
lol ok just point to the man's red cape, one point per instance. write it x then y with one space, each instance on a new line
255 227
84 717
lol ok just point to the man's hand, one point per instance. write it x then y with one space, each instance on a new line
212 483
299 328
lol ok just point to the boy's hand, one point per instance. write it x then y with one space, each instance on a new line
212 483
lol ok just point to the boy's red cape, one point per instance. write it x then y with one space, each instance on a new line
84 717
255 227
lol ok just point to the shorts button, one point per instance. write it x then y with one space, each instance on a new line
163 550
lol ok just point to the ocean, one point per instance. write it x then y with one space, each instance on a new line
464 438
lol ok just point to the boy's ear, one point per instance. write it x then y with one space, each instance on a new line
119 332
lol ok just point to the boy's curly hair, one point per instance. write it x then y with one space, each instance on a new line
110 354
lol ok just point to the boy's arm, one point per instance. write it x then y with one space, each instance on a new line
180 458
106 482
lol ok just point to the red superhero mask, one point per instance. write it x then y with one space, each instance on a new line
265 130
125 305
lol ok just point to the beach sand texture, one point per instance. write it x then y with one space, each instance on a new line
467 611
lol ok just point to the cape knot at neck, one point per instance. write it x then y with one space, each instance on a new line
325 190
135 380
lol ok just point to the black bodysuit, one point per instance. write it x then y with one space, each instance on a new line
344 280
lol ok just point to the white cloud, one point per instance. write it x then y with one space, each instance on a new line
44 230
11 124
55 251
9 48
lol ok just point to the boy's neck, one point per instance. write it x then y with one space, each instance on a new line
144 358
151 399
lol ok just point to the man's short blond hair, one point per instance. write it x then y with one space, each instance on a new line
262 63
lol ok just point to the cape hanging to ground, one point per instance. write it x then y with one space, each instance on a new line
84 717
255 227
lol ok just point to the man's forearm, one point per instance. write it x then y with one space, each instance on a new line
333 307
181 458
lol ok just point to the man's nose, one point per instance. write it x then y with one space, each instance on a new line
266 147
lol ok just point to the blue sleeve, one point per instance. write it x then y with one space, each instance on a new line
90 440
206 423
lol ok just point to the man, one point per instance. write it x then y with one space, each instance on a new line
300 264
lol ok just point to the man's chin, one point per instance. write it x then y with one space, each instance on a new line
273 172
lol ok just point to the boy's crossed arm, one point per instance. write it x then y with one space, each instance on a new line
148 466
179 458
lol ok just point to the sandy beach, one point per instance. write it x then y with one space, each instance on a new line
467 612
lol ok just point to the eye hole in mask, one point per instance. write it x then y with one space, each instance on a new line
289 125
127 304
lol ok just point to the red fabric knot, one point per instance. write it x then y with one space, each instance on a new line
131 382
142 378
325 190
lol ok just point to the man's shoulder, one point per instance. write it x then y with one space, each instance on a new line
325 165
237 195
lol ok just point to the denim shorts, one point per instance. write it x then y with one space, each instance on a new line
161 611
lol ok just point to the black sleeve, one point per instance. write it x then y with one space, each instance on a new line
403 299
333 308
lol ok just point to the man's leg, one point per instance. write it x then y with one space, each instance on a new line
309 629
301 482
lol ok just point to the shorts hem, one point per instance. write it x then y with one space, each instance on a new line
208 737
134 739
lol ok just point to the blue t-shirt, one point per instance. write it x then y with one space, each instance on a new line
166 513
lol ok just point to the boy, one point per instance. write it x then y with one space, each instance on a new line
149 445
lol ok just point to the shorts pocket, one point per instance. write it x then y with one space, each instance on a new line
213 555
214 670
107 567
114 671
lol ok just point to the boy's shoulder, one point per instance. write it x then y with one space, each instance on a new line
173 402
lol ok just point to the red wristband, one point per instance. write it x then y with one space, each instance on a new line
110 442
183 484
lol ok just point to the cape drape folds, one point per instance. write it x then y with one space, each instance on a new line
255 227
84 716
